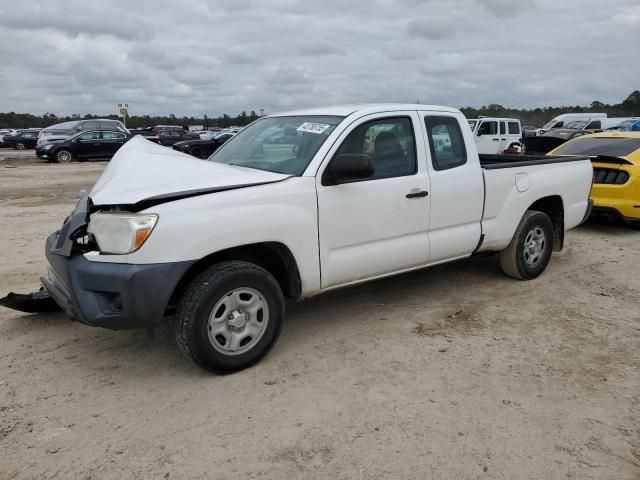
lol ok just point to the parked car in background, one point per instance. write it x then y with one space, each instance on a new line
209 134
615 157
495 135
165 134
561 120
65 130
170 136
528 131
202 148
92 144
595 126
630 125
6 132
23 139
543 144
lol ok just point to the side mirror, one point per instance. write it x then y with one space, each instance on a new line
347 168
479 134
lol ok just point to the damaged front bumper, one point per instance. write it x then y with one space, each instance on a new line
110 295
36 302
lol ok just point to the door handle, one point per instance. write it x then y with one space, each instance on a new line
420 194
496 139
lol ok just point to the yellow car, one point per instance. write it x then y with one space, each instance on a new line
616 172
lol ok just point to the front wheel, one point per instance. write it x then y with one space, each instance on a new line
229 317
64 156
530 249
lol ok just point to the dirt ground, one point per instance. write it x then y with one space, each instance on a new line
456 372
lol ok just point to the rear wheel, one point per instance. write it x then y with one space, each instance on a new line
20 146
530 249
229 317
64 156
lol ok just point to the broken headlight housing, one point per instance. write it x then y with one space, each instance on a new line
121 233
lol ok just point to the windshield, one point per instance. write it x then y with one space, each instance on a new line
472 124
277 144
608 146
577 124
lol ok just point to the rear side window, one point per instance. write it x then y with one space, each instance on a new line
503 128
596 124
90 136
112 135
514 128
445 142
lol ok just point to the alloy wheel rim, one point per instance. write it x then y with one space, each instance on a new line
238 321
64 157
535 244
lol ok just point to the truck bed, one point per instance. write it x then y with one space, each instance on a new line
492 162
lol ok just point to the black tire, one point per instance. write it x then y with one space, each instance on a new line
634 224
196 152
516 260
64 156
203 294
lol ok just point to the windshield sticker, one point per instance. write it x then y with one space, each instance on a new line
311 127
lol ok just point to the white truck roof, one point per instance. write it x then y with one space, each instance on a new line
364 108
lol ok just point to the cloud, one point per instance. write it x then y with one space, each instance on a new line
198 56
431 28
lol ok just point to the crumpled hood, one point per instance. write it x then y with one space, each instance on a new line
142 170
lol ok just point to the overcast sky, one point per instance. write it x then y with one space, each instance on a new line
212 57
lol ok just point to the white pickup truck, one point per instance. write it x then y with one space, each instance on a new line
357 193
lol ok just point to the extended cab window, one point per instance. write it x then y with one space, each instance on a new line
503 128
390 144
446 143
514 128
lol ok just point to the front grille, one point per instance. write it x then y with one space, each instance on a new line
610 176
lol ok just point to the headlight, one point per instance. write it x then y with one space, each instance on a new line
121 233
48 146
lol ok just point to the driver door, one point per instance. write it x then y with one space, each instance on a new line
377 225
487 138
88 145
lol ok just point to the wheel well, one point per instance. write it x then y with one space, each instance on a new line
274 257
554 207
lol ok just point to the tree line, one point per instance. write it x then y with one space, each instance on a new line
629 107
535 117
28 120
